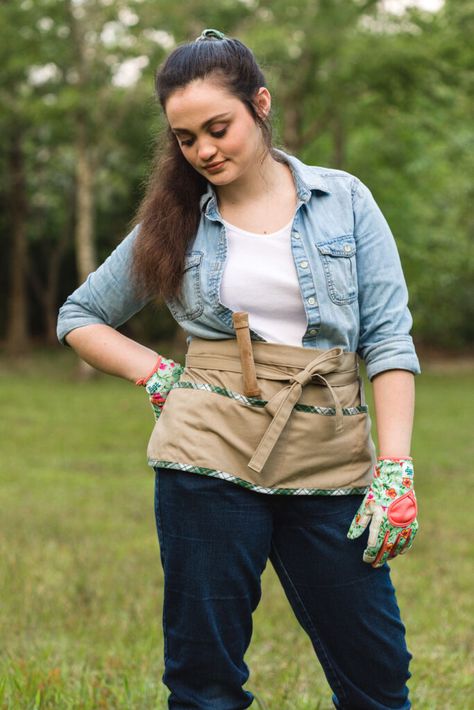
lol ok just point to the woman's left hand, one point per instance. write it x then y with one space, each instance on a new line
390 507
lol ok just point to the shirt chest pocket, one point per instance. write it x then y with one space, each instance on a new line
338 258
189 305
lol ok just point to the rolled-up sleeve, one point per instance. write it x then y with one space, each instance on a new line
107 296
385 342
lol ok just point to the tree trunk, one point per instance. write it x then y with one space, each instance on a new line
84 229
84 232
51 291
46 291
17 336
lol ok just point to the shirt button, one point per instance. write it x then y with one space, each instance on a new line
311 301
304 264
296 235
313 331
347 247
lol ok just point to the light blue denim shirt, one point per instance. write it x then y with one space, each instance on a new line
349 272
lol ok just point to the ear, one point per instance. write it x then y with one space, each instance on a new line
262 102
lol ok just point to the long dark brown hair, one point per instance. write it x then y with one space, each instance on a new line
169 213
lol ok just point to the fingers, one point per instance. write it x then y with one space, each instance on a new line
375 528
379 554
393 544
360 521
380 543
385 540
358 525
384 551
407 542
370 553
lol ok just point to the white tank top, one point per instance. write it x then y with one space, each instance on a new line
260 278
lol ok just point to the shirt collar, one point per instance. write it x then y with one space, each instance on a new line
305 176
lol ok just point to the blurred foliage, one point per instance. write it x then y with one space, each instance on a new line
384 96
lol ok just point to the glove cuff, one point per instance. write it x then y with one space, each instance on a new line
164 377
394 459
391 470
141 382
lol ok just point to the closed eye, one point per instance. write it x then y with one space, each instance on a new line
214 134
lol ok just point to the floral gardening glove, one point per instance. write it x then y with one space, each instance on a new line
390 507
160 381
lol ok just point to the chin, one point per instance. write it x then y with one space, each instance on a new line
221 178
226 177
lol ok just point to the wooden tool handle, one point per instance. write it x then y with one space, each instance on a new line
241 326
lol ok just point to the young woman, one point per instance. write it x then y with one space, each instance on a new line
286 472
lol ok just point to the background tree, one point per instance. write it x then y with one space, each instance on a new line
20 49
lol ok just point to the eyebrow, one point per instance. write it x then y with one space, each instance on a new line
204 125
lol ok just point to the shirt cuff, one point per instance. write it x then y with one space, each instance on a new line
393 354
73 322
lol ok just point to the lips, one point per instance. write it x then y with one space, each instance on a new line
214 166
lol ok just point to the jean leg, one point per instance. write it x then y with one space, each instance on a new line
347 607
214 543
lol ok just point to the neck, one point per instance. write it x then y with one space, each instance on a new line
254 185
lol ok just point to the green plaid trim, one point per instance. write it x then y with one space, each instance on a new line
259 489
256 402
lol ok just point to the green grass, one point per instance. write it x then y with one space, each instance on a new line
80 576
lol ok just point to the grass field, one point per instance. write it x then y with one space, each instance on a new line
80 577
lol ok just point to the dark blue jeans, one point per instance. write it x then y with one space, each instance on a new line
215 539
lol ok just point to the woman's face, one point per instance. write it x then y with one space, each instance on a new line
215 130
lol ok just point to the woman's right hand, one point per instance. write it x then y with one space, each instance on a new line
159 384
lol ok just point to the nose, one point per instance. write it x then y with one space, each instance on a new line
206 150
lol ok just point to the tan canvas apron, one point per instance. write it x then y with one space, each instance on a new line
308 433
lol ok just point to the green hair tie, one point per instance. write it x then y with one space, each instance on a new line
210 34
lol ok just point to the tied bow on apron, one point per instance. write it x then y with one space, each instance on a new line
282 403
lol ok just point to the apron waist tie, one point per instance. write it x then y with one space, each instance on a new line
281 405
